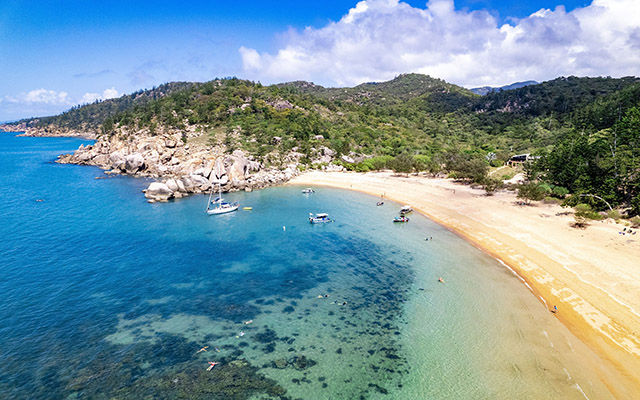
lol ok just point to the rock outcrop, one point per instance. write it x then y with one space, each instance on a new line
158 191
180 168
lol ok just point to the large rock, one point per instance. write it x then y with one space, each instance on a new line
239 166
172 185
134 163
84 155
218 170
208 168
327 152
199 180
101 160
347 159
117 160
158 191
188 184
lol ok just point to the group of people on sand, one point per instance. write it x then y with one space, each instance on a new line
624 231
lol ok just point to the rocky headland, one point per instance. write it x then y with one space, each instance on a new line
46 131
182 162
185 164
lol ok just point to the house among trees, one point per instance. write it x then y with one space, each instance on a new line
520 159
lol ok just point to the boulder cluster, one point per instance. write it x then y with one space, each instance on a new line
181 168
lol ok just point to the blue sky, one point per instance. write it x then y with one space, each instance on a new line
55 54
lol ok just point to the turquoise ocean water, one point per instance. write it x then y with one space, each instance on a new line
107 296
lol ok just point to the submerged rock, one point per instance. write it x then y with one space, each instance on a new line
280 363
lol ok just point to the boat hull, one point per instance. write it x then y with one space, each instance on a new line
320 221
215 211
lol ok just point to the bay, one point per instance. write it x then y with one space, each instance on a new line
107 296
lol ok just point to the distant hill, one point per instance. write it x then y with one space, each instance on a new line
560 96
484 90
402 88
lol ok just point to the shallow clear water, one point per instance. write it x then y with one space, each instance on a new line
107 296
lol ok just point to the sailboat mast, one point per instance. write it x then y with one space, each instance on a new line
209 202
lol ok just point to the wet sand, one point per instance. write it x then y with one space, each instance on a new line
591 274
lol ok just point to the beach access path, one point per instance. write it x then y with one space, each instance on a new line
592 275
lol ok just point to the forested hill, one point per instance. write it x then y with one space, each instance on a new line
593 120
91 116
423 110
560 96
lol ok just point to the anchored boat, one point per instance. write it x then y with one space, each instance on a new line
218 205
319 218
405 210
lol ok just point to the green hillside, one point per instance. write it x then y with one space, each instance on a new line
585 129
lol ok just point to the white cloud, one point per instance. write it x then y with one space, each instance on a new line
41 102
379 39
106 94
42 96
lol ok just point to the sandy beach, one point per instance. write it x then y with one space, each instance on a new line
590 274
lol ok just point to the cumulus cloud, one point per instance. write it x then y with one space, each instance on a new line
106 94
43 96
41 102
379 39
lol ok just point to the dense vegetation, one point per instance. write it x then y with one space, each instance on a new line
585 130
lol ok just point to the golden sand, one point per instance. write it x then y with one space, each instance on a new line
592 275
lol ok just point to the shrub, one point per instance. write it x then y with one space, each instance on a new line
614 214
531 192
402 163
559 192
491 185
372 164
587 212
551 200
635 222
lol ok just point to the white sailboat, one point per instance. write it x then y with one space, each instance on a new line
218 205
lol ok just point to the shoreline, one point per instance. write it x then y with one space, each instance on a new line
588 273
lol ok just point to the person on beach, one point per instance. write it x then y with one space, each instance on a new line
555 309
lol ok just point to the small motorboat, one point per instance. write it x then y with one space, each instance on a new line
308 190
401 219
405 210
319 218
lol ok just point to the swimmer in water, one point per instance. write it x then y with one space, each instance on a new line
211 365
202 349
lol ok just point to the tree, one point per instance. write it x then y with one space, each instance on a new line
402 163
531 191
421 163
490 185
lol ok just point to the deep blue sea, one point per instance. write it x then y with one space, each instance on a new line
104 295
